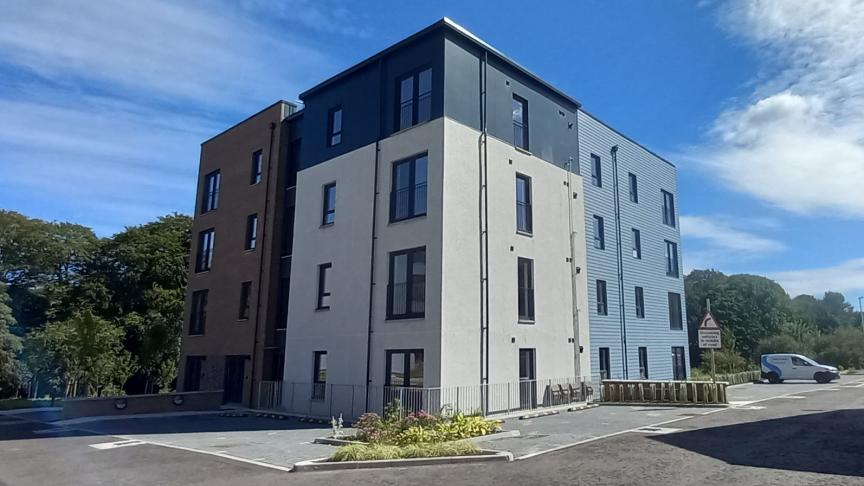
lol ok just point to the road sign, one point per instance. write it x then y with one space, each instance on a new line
709 333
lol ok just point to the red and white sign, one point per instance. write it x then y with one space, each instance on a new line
709 333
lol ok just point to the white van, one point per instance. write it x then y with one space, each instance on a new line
779 367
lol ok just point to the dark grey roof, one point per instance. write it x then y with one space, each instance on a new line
444 23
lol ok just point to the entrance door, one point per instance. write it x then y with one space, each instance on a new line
527 379
234 376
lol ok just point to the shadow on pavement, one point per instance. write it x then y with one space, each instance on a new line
33 426
828 443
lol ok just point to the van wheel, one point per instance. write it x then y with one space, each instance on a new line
773 378
822 377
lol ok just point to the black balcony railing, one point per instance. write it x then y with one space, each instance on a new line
408 202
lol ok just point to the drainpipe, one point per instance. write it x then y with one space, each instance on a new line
483 217
373 240
614 152
261 262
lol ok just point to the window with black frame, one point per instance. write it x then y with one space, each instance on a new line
679 369
328 216
204 260
192 373
634 188
408 191
405 368
524 223
319 375
198 313
210 200
672 259
406 290
257 167
602 303
251 232
668 208
676 322
637 243
643 363
605 367
324 286
520 122
334 126
525 270
599 233
414 96
245 295
640 302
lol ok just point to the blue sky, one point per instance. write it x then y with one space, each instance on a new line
760 104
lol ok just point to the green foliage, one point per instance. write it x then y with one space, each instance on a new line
10 345
85 352
726 361
842 348
374 452
421 427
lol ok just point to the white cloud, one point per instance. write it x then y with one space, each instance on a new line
721 243
798 143
847 277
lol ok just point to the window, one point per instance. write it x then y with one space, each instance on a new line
251 231
640 302
245 293
334 126
406 290
671 259
602 308
796 361
634 189
329 211
525 270
523 204
675 321
319 375
414 109
198 315
596 175
520 122
257 167
205 250
668 209
643 363
599 234
192 375
324 286
637 244
211 191
604 364
679 370
405 368
408 192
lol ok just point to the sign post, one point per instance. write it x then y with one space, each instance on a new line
709 336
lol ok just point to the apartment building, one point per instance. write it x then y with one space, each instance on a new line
434 217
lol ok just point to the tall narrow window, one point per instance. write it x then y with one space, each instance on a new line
414 94
640 302
675 321
596 174
324 285
198 314
404 368
525 270
319 375
671 259
251 231
211 191
329 207
637 244
245 293
668 209
334 126
643 363
408 192
634 188
406 290
602 307
604 364
679 369
599 234
205 250
523 204
192 374
520 122
257 167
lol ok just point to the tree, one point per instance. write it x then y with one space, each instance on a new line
86 351
10 345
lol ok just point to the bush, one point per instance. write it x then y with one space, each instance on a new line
844 347
421 428
726 361
375 452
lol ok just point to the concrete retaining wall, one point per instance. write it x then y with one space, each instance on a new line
673 392
134 404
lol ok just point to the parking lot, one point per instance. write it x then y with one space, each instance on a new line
37 449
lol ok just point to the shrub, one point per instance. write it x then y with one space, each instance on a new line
844 347
726 361
362 452
421 428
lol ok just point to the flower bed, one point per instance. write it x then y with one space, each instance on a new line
414 435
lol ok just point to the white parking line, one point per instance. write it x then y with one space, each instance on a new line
709 412
115 445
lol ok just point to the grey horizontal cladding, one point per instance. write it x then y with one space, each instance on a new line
653 175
